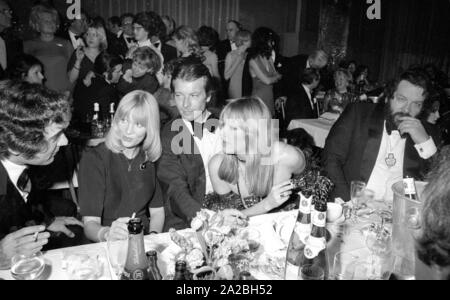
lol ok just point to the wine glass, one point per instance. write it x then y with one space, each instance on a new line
356 194
379 242
117 254
27 267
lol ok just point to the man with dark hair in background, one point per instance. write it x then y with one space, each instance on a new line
10 46
32 123
381 144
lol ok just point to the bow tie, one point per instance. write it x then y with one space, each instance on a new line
24 183
197 128
78 36
156 45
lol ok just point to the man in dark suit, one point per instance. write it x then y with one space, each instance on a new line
188 144
226 46
125 37
32 124
381 144
300 101
10 46
76 30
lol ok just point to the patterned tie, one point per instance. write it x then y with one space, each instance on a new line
24 182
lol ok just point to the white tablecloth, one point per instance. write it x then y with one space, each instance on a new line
274 229
317 128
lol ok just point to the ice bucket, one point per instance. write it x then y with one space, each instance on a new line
406 225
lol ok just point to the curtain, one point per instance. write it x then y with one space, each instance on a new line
194 13
410 32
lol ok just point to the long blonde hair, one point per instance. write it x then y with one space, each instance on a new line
254 118
143 108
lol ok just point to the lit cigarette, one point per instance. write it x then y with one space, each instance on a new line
133 216
35 236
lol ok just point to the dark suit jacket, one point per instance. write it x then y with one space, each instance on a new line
182 176
353 144
298 105
168 52
294 67
223 48
14 212
118 46
14 48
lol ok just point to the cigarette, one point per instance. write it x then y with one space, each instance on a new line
133 216
35 236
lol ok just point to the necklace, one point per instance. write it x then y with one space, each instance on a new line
130 161
390 159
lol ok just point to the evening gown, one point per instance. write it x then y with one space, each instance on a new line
262 90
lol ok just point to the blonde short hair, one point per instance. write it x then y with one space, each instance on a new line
37 11
143 108
101 34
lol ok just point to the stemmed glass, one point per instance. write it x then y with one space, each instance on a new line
357 189
379 242
117 255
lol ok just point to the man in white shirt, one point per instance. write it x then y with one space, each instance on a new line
32 124
381 144
188 145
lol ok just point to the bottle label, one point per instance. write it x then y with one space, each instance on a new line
305 204
319 219
409 186
303 231
315 245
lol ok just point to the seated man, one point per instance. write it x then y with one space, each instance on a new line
300 101
187 145
381 144
32 124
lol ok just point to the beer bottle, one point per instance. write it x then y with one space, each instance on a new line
298 238
314 256
153 270
181 271
410 188
136 263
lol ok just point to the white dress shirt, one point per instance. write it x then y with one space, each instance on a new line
3 54
148 43
233 45
76 42
308 92
209 145
14 171
383 176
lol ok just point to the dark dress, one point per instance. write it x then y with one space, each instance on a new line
147 83
113 187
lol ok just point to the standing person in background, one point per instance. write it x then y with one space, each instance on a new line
225 47
208 39
52 51
10 46
118 178
158 38
262 69
234 64
114 26
125 38
186 42
76 30
170 28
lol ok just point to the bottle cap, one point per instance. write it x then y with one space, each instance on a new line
111 107
96 106
135 226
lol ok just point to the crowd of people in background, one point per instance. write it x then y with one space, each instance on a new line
166 79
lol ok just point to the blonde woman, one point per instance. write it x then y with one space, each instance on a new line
186 42
52 51
118 178
254 164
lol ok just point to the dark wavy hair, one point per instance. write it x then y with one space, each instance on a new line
416 76
190 69
25 111
22 65
262 38
106 62
433 245
208 37
152 23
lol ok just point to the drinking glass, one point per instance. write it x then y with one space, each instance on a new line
379 242
357 189
311 272
27 267
117 254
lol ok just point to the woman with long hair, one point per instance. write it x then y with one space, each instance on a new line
118 178
254 163
186 42
261 66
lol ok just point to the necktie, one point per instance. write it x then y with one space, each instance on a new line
130 40
157 45
197 128
24 183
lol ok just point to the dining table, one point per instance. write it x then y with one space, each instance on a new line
268 262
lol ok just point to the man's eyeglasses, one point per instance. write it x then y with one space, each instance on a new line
6 11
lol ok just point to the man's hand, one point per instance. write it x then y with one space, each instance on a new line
27 241
415 129
119 229
59 225
128 76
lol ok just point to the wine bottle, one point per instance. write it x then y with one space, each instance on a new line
136 264
153 269
181 271
314 256
96 123
297 242
410 188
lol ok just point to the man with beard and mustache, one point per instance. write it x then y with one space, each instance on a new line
381 144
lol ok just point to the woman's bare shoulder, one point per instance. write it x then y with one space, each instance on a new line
288 155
